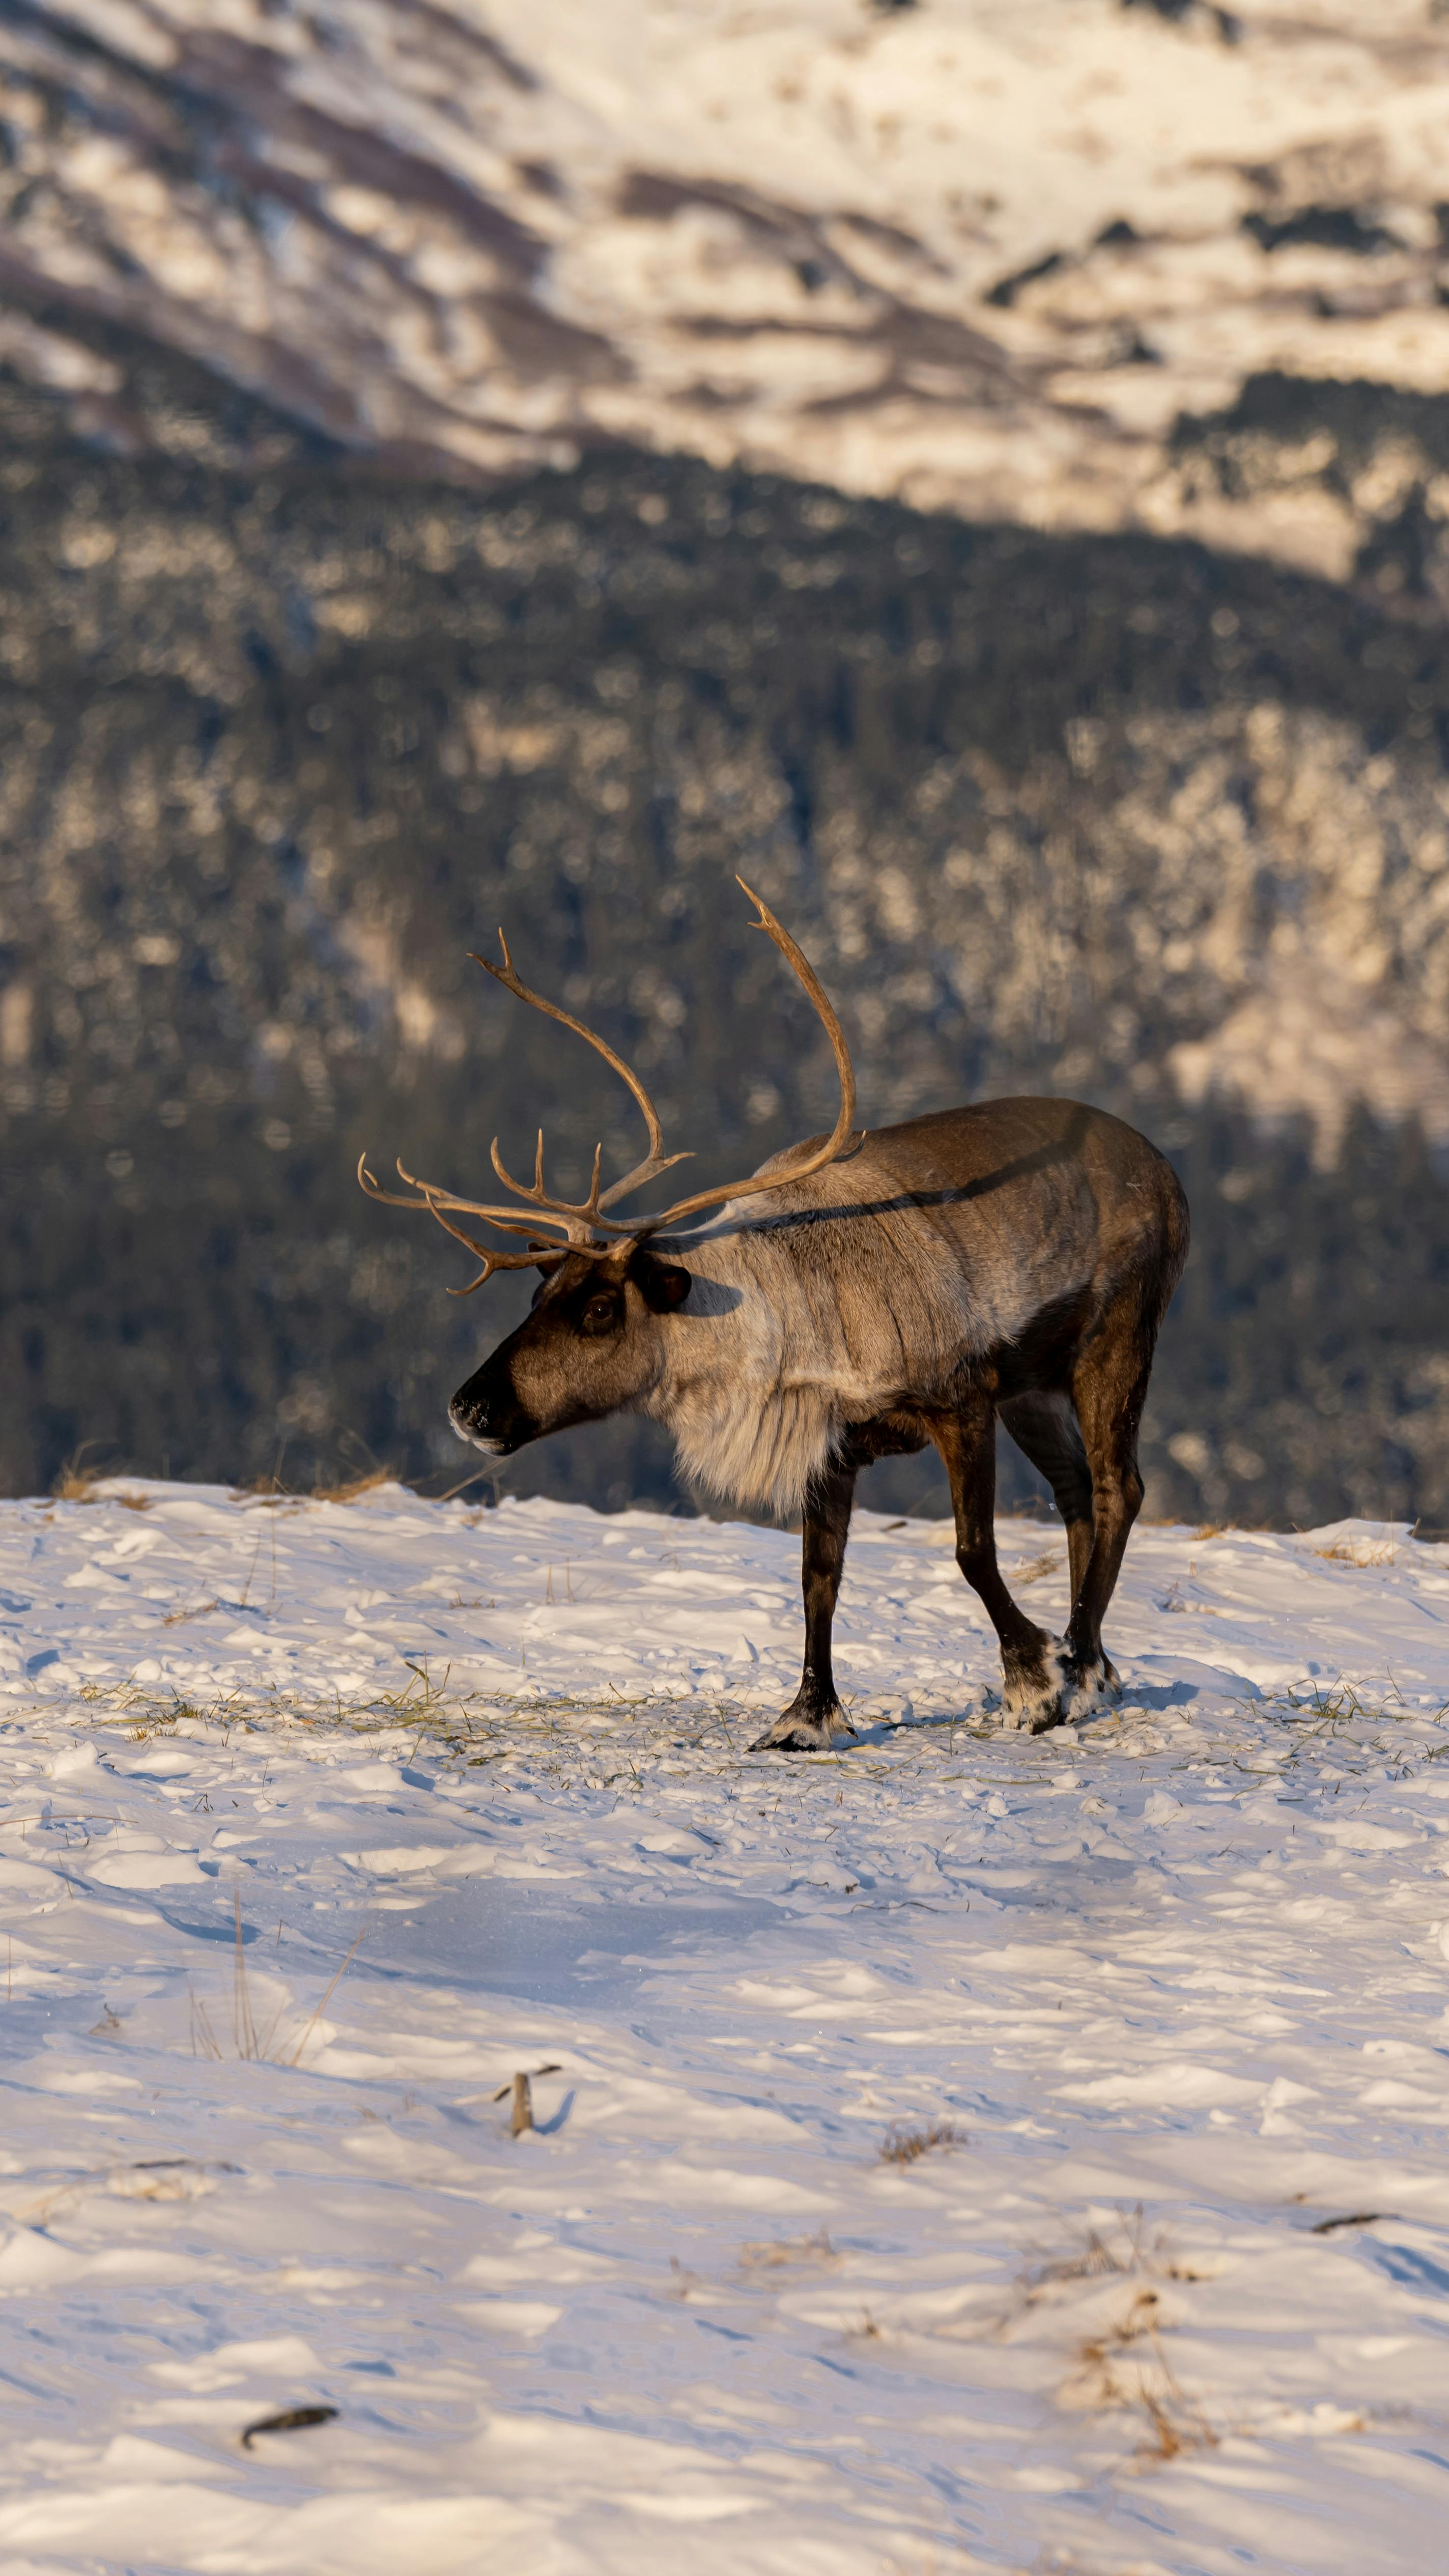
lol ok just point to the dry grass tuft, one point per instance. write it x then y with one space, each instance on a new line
268 1490
1125 2366
779 2253
155 2178
355 1486
1361 1551
75 1483
1033 1568
1331 1710
78 1484
246 2042
1092 2259
903 2146
1121 2364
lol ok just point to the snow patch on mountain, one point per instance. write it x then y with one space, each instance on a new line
978 257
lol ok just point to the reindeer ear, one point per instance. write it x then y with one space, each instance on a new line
663 1285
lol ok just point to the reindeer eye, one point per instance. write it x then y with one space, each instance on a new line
599 1313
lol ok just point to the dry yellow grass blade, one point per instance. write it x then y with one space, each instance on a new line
356 1486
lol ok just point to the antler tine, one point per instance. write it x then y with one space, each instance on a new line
437 1201
839 1136
642 1172
432 1196
585 1212
656 1160
514 984
372 1188
492 1260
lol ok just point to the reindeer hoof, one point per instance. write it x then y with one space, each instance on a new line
1055 1691
804 1730
1041 1694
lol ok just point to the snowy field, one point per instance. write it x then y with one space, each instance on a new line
959 2152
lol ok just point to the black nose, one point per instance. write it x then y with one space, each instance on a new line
487 1412
470 1421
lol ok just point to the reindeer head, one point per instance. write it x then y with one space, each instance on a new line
592 1344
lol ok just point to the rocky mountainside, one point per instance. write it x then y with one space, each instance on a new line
977 256
1098 814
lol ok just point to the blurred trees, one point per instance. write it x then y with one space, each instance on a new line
281 744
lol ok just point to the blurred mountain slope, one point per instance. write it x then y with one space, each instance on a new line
981 257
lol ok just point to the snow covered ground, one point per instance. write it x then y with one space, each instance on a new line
322 1821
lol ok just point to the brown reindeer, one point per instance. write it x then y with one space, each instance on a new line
898 1285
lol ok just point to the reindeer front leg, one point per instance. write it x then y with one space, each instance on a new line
815 1717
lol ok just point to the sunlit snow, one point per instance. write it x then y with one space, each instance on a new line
957 2152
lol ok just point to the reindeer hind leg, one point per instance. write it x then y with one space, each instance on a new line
1110 1386
1047 1432
1035 1666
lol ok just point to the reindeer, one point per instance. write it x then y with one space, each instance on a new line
859 1295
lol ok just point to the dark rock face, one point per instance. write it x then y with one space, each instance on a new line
282 743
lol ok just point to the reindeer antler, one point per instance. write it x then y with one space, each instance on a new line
435 1201
655 1161
580 1222
839 1136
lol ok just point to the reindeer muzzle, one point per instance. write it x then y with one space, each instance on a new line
487 1413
